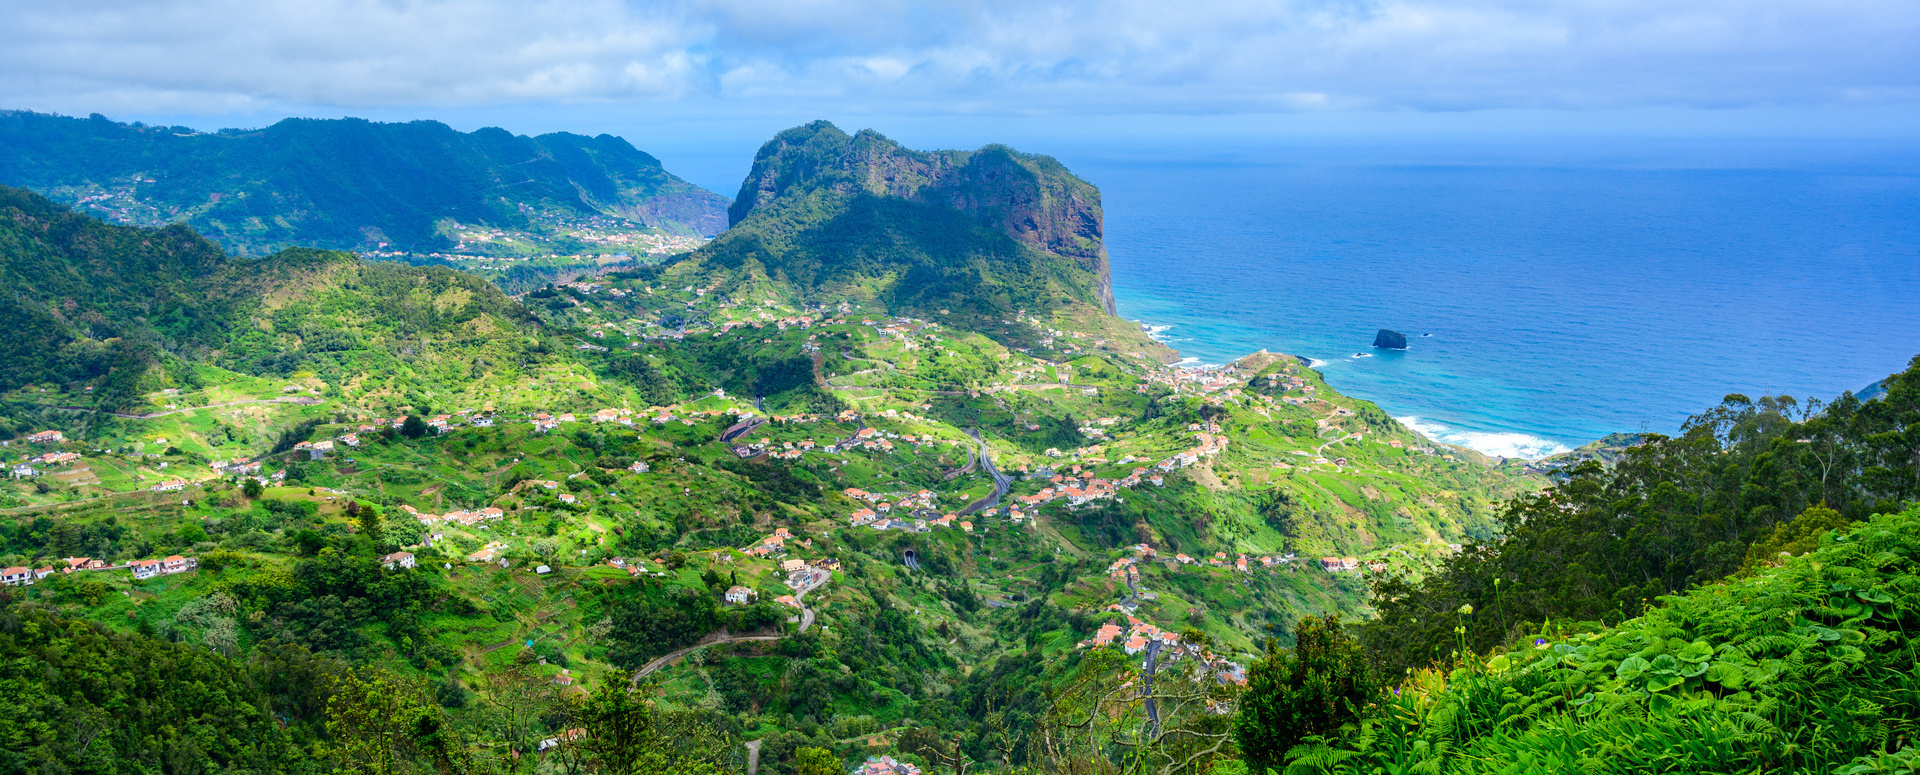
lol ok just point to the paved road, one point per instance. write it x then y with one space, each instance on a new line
742 428
1001 482
1146 688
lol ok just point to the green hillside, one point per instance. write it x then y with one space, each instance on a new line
1806 667
350 184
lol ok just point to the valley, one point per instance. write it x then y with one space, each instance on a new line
873 472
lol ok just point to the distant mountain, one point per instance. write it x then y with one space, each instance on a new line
836 216
356 184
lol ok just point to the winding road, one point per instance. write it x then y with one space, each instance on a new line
1001 482
806 623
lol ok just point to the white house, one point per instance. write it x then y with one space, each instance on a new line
397 559
18 576
739 595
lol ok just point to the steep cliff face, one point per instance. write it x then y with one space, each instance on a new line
1032 200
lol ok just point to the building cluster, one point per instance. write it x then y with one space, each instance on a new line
773 544
459 517
1126 567
1138 636
25 469
885 765
20 576
897 512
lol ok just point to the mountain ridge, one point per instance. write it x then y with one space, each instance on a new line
353 184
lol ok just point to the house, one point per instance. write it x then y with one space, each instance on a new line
41 573
639 467
567 736
169 485
790 566
177 564
787 600
542 570
145 569
886 765
47 437
17 576
397 559
738 595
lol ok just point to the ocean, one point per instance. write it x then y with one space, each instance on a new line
1548 298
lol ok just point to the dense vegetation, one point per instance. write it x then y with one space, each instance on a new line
1739 484
349 183
80 298
78 697
1805 667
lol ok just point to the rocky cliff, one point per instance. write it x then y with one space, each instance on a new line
1032 200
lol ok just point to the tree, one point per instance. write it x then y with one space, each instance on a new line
251 488
369 524
1323 682
1796 537
413 427
816 761
380 723
618 731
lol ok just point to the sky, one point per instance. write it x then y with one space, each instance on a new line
701 80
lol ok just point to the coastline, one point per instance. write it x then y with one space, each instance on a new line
1507 444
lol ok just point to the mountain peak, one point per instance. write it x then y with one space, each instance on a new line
1032 199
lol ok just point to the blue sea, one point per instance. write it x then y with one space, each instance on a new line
1548 298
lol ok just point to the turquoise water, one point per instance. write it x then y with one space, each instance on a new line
1546 304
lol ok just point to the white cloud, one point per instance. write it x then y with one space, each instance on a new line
1133 56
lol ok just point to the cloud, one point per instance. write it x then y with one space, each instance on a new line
1135 56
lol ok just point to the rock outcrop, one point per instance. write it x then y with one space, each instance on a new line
1391 340
817 170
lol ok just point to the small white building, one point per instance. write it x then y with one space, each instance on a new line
738 595
397 560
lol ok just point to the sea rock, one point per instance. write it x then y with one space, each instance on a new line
1392 340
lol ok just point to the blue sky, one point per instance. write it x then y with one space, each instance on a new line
702 81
